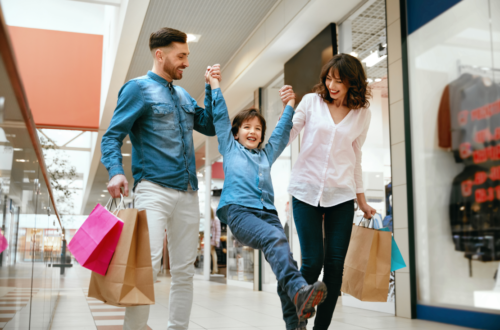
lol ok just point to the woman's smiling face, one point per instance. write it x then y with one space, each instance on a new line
335 86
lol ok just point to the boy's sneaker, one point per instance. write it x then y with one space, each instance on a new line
307 298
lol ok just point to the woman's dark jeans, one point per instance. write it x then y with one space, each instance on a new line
318 254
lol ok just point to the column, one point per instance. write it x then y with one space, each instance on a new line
208 196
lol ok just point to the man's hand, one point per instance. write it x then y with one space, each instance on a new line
207 75
287 96
215 72
115 185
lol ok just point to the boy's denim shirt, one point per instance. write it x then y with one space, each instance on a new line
247 172
160 120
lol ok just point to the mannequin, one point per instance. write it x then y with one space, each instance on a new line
215 240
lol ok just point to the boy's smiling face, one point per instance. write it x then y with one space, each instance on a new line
250 133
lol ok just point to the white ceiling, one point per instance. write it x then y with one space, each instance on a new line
224 25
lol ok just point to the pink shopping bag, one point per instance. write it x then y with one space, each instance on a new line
95 242
3 243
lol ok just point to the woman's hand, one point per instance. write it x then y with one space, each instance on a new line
287 96
368 211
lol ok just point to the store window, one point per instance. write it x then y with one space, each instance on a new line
454 78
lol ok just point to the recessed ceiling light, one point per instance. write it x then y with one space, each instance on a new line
378 79
128 142
370 80
103 195
354 54
104 191
17 149
373 59
193 37
126 155
22 160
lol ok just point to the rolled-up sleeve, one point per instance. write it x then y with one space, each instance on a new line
357 145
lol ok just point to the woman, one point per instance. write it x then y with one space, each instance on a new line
327 177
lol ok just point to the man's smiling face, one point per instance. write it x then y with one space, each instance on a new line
175 59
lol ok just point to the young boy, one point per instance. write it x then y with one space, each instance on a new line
247 201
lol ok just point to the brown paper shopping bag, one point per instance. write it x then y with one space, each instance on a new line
129 280
367 265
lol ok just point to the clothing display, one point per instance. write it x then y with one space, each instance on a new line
319 177
469 125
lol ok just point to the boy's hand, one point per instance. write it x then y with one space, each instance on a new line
213 71
214 76
287 96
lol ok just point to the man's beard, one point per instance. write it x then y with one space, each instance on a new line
172 72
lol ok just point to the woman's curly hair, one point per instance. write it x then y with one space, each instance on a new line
352 74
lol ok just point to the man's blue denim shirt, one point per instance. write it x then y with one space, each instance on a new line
160 121
247 172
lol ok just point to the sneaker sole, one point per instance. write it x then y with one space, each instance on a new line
316 297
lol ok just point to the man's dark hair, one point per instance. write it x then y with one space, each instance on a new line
245 115
165 36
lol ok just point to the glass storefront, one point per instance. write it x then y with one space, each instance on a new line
29 284
454 80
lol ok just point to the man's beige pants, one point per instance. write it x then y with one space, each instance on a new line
178 212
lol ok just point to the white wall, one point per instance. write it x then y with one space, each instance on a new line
59 15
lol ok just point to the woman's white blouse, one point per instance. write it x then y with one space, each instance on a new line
328 170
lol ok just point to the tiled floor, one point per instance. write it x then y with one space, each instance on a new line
216 307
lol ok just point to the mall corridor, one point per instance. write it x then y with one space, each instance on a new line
376 128
216 307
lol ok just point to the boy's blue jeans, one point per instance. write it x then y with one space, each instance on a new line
261 229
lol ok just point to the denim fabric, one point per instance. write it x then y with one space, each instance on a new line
317 254
261 229
160 119
247 172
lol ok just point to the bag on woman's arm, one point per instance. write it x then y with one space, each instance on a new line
367 265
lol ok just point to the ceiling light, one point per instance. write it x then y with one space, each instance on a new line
22 160
199 175
373 59
103 195
17 149
104 191
128 142
193 37
126 155
202 157
377 80
354 54
370 80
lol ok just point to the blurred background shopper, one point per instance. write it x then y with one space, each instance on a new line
327 177
160 118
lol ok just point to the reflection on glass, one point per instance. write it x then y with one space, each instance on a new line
455 114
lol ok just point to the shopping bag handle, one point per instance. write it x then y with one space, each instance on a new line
120 205
364 224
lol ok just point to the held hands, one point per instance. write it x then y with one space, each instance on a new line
287 96
213 76
115 185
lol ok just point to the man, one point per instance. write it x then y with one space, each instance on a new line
160 118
